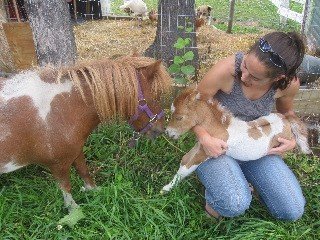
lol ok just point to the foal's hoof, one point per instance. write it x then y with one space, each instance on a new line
166 189
163 192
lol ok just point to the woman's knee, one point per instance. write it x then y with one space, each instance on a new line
289 211
227 190
277 186
231 203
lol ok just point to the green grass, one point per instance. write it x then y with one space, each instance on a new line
128 204
260 13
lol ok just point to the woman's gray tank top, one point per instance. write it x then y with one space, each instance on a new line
238 104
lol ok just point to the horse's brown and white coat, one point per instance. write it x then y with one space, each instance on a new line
246 140
46 115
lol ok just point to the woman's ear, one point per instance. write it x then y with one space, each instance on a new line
282 76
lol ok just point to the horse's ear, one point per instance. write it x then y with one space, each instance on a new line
152 69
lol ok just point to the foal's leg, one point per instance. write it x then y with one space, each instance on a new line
62 175
182 173
189 163
82 169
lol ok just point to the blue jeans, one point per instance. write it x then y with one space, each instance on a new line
227 191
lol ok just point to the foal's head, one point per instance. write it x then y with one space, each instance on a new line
190 109
187 110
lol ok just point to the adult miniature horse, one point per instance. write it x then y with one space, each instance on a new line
47 114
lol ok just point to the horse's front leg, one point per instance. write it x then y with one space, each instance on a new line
189 163
82 169
62 174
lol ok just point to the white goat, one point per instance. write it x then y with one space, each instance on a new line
138 7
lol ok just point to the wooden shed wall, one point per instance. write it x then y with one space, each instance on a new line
20 40
6 61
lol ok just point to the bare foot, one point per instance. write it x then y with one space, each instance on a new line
211 212
254 193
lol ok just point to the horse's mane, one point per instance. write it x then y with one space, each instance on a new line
113 83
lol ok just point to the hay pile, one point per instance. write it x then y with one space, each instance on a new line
110 38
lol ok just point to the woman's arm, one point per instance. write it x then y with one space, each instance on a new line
219 77
284 105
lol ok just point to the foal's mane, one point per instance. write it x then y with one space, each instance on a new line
113 84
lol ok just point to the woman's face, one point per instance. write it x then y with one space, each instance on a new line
254 72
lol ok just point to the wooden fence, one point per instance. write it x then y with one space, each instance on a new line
285 12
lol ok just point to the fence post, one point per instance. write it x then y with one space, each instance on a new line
285 4
305 12
231 14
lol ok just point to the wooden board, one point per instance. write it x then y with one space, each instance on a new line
20 40
307 102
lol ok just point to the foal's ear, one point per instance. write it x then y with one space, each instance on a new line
152 69
200 96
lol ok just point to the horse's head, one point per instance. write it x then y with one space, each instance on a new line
149 117
188 110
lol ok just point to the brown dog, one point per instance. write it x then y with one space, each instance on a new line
204 13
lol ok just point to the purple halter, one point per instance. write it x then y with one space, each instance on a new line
143 107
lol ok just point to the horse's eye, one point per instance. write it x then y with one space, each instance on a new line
179 118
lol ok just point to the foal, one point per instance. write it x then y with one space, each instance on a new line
246 140
46 115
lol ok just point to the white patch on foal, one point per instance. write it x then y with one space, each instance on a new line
30 84
182 173
244 148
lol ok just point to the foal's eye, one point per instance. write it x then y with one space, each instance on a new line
179 118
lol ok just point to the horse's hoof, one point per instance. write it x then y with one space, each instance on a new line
72 218
89 188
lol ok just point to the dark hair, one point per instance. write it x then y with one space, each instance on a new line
290 46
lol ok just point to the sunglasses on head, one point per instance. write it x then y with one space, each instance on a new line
275 58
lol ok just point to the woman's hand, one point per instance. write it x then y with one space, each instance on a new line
285 145
213 147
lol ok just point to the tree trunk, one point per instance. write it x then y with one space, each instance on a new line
52 32
231 15
172 14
